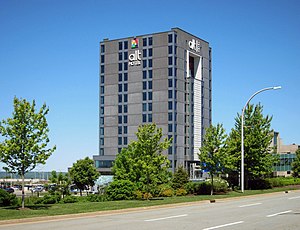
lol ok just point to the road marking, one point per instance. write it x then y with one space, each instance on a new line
165 218
224 225
295 197
279 213
248 205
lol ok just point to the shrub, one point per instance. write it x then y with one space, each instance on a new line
220 185
121 190
180 178
7 199
147 196
97 198
138 195
259 184
167 193
283 181
48 199
70 199
181 192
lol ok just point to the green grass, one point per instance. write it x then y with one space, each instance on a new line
7 213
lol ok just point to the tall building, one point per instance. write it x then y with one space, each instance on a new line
163 78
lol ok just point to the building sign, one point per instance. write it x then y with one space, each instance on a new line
194 45
135 58
134 43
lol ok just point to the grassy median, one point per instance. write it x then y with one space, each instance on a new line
7 213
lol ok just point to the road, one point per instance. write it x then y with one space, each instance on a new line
277 211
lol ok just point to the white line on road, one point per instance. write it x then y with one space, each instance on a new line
279 213
224 225
248 205
295 197
165 218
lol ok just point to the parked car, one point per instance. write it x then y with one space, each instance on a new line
9 190
37 189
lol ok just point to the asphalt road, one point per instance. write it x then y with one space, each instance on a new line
278 211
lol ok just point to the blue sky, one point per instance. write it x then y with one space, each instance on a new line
49 51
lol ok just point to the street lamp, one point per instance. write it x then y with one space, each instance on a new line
242 132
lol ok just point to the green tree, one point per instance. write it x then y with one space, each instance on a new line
25 139
296 164
61 181
84 173
180 178
212 156
258 155
143 161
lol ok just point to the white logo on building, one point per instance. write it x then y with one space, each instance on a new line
135 58
194 45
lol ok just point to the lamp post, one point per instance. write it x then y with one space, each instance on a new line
242 132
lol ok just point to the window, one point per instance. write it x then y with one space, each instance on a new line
125 76
101 131
120 77
144 41
170 151
119 108
120 88
120 46
150 41
170 82
125 55
126 45
170 38
125 87
144 96
120 66
144 74
150 52
119 140
144 85
125 130
170 94
170 49
102 79
101 110
101 141
170 70
102 89
125 140
144 53
170 105
150 117
120 56
125 98
101 120
144 117
150 73
119 129
170 60
125 119
102 100
144 107
125 109
102 58
125 66
150 106
102 48
120 98
170 128
144 63
102 69
101 152
150 96
150 63
120 119
149 84
170 116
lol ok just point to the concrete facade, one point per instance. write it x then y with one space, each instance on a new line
163 78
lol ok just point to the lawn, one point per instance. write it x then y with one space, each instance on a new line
7 213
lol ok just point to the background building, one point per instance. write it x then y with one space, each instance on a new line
163 78
287 154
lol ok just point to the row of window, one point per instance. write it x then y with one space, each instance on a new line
123 45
